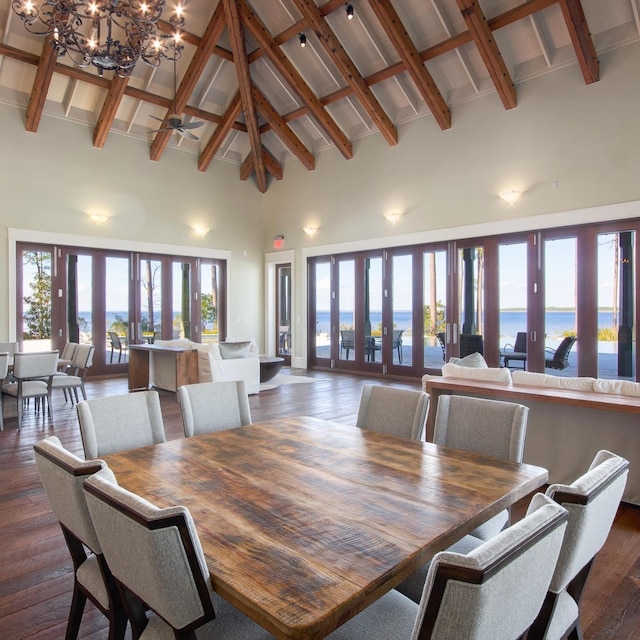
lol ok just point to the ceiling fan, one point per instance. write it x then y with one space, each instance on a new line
173 122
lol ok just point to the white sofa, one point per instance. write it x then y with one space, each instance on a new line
232 360
563 436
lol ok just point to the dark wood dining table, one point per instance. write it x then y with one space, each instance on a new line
306 522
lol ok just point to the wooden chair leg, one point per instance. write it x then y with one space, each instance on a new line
75 614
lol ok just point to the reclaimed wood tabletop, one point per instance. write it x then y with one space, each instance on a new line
305 522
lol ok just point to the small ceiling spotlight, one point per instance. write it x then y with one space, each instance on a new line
303 40
393 216
349 9
510 196
310 231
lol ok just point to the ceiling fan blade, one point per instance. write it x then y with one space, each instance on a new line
191 125
161 129
156 118
187 134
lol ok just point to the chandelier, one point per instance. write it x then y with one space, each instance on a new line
111 35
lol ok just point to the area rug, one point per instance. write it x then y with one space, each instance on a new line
284 379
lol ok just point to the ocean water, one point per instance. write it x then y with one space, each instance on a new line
511 322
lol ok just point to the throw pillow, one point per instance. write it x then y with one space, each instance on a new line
234 350
475 360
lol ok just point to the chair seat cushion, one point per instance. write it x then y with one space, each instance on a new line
30 388
66 381
90 577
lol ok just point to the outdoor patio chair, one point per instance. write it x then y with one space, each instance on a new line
559 358
517 351
118 343
442 340
471 343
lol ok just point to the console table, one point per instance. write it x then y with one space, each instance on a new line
185 360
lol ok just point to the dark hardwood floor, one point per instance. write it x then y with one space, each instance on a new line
35 567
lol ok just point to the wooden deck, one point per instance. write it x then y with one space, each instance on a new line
35 567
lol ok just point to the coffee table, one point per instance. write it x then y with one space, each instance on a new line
269 367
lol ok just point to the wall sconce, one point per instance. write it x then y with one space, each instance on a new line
393 217
310 231
200 231
510 196
99 218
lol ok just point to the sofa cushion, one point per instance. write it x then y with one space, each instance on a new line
233 350
473 360
555 382
490 374
620 387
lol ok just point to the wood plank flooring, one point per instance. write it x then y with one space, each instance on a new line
35 567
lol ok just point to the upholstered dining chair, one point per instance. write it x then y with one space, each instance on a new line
397 412
62 474
495 591
66 356
213 406
4 370
76 374
592 502
33 374
119 423
155 554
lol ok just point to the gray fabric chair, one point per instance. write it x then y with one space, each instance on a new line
488 427
155 554
397 412
76 374
592 501
33 374
494 592
120 423
66 357
213 406
62 474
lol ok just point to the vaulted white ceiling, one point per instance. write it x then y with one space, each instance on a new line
266 101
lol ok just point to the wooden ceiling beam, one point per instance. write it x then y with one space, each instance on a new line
109 110
273 166
283 130
216 140
236 36
294 79
580 35
247 167
196 67
348 69
40 87
391 23
483 37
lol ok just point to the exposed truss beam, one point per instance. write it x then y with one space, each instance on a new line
216 140
491 56
109 110
294 79
410 56
40 88
348 70
273 166
581 39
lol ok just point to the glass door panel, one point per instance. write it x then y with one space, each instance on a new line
471 300
372 308
117 319
512 284
35 305
616 304
151 298
402 309
210 302
560 301
181 279
434 307
283 311
349 349
84 293
323 333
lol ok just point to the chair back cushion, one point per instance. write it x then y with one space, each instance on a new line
83 356
398 412
592 501
490 374
489 427
496 590
35 365
154 552
120 423
62 474
4 366
214 406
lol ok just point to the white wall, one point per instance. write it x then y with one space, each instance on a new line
584 138
49 181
